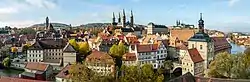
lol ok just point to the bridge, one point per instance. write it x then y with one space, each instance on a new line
177 66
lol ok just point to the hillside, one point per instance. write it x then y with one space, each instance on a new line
54 24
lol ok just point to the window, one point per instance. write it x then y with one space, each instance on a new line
192 45
30 55
201 47
161 55
39 55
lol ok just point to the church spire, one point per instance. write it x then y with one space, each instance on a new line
119 18
47 23
201 24
113 21
123 19
131 18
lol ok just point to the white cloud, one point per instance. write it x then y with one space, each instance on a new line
19 24
49 4
233 2
8 10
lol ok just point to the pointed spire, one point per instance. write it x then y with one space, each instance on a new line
119 18
131 19
123 12
113 15
123 19
131 13
201 24
113 20
200 16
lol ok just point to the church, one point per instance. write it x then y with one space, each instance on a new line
49 32
124 26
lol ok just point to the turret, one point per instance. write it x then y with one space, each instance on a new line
201 24
131 19
123 19
119 18
47 23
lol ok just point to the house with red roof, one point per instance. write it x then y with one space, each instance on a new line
129 59
63 75
37 71
221 45
101 63
192 62
149 53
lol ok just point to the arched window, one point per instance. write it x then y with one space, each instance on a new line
201 47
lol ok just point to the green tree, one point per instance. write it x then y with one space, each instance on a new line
84 48
121 49
81 73
74 44
6 62
222 66
117 51
27 31
143 73
114 51
168 66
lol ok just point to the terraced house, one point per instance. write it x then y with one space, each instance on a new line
152 50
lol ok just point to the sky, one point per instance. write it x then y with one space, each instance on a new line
224 15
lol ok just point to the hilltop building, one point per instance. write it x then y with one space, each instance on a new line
125 26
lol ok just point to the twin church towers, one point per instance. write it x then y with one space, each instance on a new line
122 21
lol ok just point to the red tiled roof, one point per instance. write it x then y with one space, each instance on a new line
145 48
99 57
36 66
181 46
64 73
129 57
220 43
183 34
195 55
10 79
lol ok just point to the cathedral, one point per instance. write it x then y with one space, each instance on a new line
124 26
122 21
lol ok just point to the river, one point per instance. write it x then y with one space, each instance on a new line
237 48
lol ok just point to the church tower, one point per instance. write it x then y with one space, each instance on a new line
47 23
203 43
123 19
201 24
113 20
119 18
131 19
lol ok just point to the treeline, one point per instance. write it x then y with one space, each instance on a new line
233 66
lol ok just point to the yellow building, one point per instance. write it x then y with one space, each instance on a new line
101 63
192 62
